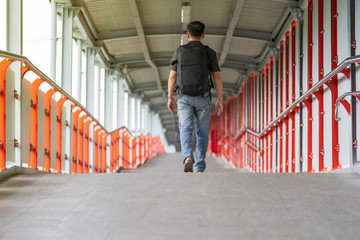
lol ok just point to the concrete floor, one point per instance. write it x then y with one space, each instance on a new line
159 201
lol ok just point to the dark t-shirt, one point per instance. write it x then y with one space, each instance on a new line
213 62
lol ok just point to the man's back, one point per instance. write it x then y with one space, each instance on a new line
193 69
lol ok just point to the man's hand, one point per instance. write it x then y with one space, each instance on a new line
171 104
219 107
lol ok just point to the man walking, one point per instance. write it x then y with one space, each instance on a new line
192 64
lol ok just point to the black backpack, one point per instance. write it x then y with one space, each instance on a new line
193 69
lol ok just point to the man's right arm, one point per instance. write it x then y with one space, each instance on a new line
219 90
171 85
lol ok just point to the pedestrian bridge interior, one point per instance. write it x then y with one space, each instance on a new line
89 149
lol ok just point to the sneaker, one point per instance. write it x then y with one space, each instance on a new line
200 171
188 166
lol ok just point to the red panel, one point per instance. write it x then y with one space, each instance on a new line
319 94
281 136
87 136
287 67
4 64
281 83
104 153
75 140
59 106
48 97
308 102
81 143
101 151
333 85
96 148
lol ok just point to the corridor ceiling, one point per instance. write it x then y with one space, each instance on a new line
138 38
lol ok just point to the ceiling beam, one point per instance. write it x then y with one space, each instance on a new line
163 59
141 35
170 31
133 58
230 31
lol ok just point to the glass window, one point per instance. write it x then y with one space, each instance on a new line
74 86
126 109
114 104
96 93
36 33
3 22
102 96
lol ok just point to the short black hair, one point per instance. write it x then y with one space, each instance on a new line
196 28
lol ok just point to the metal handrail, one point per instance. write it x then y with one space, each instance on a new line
338 69
337 118
42 75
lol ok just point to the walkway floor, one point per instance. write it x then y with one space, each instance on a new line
159 201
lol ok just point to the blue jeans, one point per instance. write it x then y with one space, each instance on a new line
200 107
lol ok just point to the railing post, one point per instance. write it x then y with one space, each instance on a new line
87 140
4 64
59 106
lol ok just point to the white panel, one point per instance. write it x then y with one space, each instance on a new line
328 127
316 43
357 24
315 134
41 130
66 146
53 134
304 143
305 52
344 83
297 143
327 37
25 123
343 30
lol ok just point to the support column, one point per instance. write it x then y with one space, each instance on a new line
66 66
14 43
79 70
53 40
353 83
108 99
120 101
90 83
129 118
137 115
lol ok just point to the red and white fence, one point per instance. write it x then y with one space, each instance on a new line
57 133
283 119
